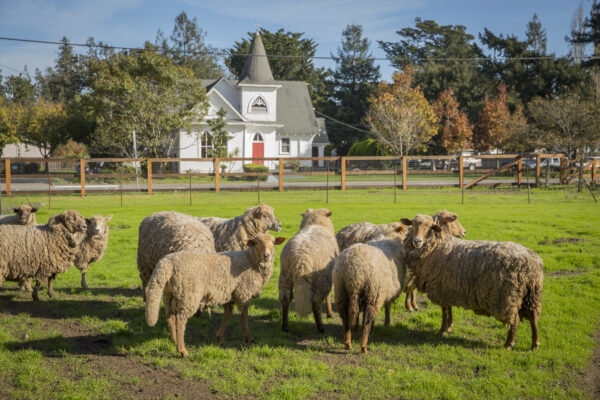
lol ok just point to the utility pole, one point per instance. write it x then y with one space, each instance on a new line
137 185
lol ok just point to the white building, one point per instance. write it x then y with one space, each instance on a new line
265 118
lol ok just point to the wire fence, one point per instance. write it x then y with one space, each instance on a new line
124 175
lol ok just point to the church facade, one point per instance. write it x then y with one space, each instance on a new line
265 118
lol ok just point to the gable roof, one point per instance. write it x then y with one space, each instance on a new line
256 67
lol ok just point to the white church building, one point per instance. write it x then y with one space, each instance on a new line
265 118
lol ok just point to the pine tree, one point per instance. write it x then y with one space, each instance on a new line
354 80
536 36
220 135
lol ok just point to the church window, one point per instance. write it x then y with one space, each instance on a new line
285 145
258 138
259 105
206 145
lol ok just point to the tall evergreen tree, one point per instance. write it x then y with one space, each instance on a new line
299 67
536 36
187 48
353 81
19 88
590 34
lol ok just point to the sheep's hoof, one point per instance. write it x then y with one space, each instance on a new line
363 349
249 339
285 328
184 353
535 346
348 345
321 329
442 331
415 308
329 315
220 339
84 287
508 346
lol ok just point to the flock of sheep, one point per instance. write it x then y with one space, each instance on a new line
195 264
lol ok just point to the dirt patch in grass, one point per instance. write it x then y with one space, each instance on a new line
564 273
563 240
591 378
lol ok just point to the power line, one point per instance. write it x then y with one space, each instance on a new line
225 53
12 69
342 123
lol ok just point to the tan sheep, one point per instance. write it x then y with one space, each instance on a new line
40 251
362 232
23 215
453 228
306 265
499 279
166 232
93 246
191 280
233 233
367 277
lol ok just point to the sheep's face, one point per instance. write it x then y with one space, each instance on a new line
264 246
265 214
25 214
97 225
449 222
424 229
71 220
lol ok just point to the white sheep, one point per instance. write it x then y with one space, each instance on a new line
306 265
93 246
191 280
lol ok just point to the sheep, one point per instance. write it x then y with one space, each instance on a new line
166 232
306 265
499 279
40 251
191 281
367 277
453 228
23 215
233 233
362 232
93 246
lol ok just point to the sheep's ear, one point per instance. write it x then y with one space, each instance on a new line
55 219
328 214
15 210
400 228
436 227
88 221
302 215
250 243
279 240
406 221
34 209
106 219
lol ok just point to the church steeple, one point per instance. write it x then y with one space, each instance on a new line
256 68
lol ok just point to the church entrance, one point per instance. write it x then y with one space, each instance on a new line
258 148
315 153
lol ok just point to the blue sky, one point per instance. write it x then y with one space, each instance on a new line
131 22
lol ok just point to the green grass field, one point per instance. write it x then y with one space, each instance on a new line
95 344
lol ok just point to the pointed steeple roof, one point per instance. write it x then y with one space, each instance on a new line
256 68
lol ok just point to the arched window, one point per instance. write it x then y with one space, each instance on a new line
206 145
259 105
258 138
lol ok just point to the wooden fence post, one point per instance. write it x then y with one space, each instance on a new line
217 176
281 174
404 163
343 173
538 174
82 175
594 166
7 176
461 172
563 169
149 160
520 172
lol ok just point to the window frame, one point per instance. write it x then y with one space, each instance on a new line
289 144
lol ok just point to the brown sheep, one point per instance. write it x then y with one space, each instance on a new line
499 279
191 280
306 265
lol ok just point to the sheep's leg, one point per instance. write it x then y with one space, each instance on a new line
181 321
347 332
285 299
317 314
413 300
407 302
368 318
83 281
446 318
226 315
449 319
512 331
245 331
51 285
535 339
328 306
171 318
36 289
388 310
25 284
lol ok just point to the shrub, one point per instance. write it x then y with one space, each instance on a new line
367 147
254 168
292 165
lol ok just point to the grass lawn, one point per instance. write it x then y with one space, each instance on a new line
96 344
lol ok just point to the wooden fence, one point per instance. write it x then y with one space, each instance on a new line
334 166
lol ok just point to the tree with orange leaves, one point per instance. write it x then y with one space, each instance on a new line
455 130
400 116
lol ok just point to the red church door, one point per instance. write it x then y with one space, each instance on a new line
258 148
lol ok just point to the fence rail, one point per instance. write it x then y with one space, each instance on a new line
35 175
